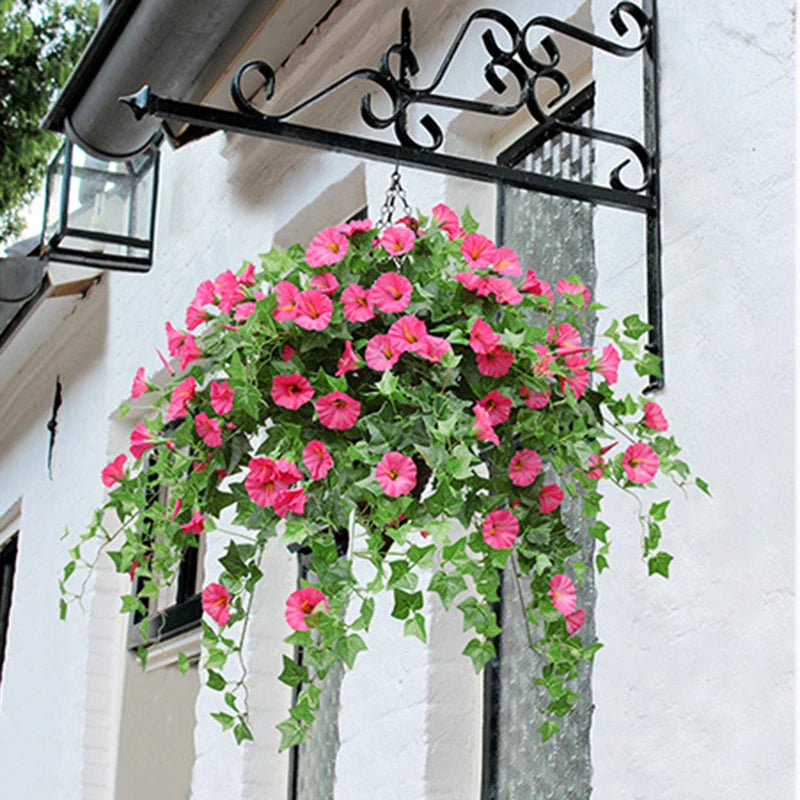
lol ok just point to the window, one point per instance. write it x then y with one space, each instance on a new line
553 235
177 610
8 562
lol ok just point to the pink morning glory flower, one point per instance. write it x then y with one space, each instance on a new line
301 604
483 425
313 311
391 293
205 294
244 311
182 395
495 363
216 603
524 467
287 351
579 380
209 430
433 348
407 333
608 366
448 221
550 498
506 262
479 252
562 592
396 473
287 301
497 405
195 525
140 385
397 240
229 291
534 400
328 247
567 337
141 440
287 500
504 291
291 391
482 339
380 355
248 276
317 459
532 285
640 463
500 529
338 411
356 226
222 397
575 620
564 287
348 361
115 471
196 316
267 477
475 283
356 305
654 417
325 282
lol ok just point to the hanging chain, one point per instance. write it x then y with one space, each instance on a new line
394 192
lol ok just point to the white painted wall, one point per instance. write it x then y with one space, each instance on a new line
693 690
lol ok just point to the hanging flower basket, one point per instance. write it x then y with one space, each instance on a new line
405 396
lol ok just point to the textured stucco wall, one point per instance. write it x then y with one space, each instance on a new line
694 690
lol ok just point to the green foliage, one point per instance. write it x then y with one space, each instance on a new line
458 423
40 42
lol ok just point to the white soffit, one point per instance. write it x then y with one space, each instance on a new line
270 35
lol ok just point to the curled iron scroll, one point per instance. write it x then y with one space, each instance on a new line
511 63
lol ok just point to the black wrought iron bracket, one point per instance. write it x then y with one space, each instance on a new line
511 64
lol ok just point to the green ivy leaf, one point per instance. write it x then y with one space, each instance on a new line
241 733
405 603
349 647
659 563
658 511
293 674
415 626
634 327
226 720
183 663
702 486
216 681
548 729
481 652
448 586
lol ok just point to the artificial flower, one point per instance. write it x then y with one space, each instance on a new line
654 417
396 473
495 363
478 251
141 440
550 498
328 247
301 604
338 411
317 459
195 525
115 471
313 310
640 463
482 339
500 529
356 304
497 405
291 391
222 397
524 467
348 361
562 592
216 603
397 240
209 430
391 293
140 385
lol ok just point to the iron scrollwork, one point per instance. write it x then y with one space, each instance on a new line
522 70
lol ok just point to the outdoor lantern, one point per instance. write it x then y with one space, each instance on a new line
100 213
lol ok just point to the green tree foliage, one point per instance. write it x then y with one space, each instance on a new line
40 42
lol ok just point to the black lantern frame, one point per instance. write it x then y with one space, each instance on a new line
99 213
